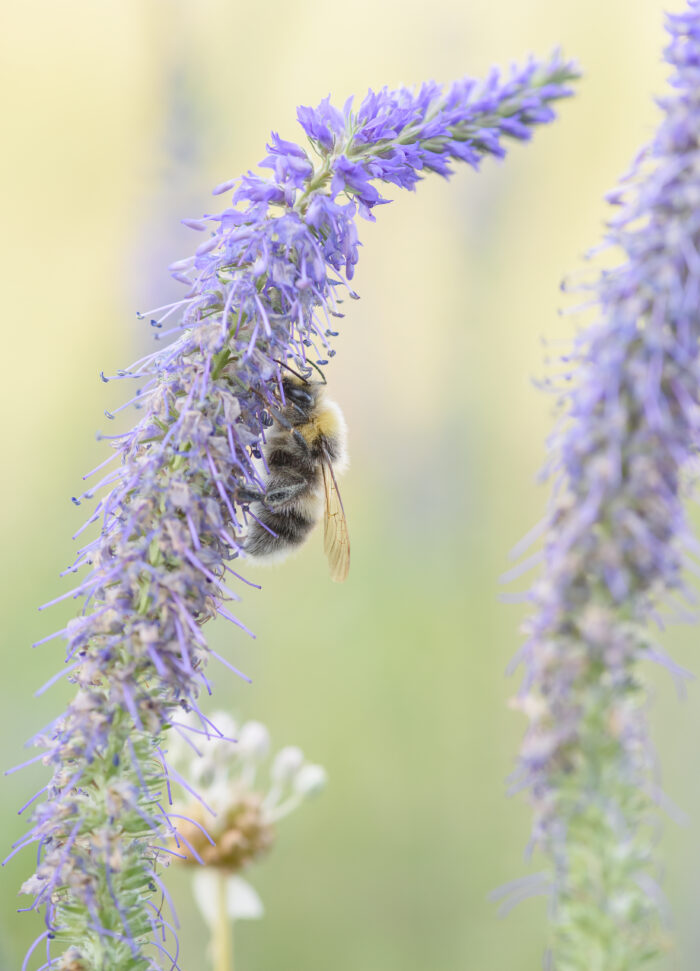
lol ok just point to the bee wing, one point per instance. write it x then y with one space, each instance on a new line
336 541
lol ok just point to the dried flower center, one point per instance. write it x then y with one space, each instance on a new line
241 833
71 961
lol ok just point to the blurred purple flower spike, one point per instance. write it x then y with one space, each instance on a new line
616 541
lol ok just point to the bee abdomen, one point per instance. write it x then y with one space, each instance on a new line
290 528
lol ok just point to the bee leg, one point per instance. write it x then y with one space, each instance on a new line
284 490
244 494
299 439
279 417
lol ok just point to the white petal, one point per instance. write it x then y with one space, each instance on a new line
242 901
206 893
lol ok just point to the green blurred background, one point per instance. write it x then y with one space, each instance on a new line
120 116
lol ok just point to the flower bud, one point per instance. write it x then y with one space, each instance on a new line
287 763
310 780
254 740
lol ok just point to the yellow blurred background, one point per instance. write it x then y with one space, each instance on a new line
120 116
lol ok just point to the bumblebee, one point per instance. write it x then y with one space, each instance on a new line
306 449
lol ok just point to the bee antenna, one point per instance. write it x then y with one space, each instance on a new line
323 376
288 368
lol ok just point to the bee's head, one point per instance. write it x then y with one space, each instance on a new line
301 398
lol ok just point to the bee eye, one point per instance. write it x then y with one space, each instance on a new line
299 396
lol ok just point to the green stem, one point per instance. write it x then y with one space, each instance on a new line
223 928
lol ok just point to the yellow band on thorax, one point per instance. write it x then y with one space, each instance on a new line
325 423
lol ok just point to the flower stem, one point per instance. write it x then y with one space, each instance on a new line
223 928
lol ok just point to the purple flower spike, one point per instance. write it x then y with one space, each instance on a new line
261 290
616 541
